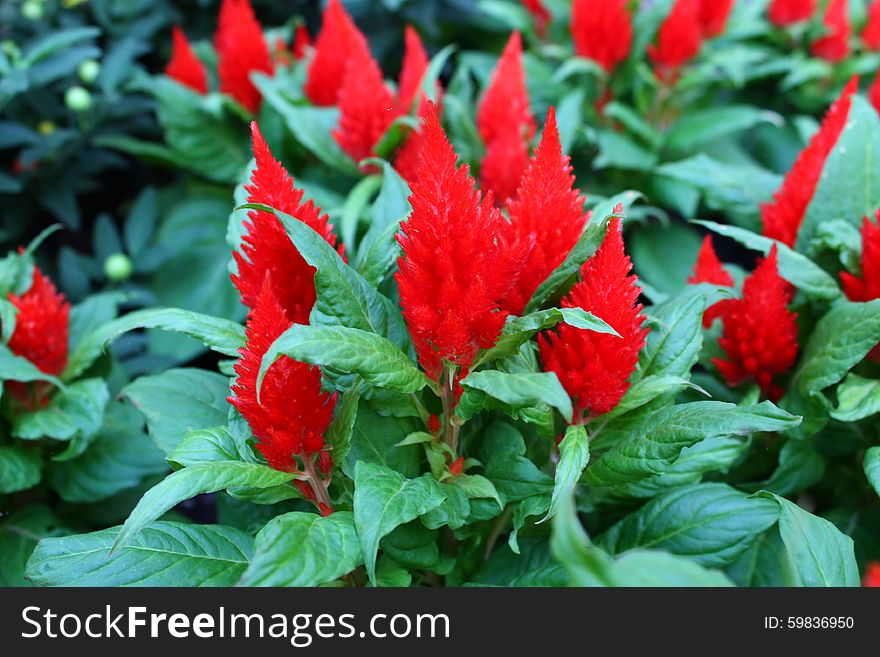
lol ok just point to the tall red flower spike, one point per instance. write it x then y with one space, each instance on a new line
293 413
594 368
872 574
407 159
787 12
782 217
871 32
301 41
366 106
834 45
507 157
874 93
548 210
266 246
709 269
41 333
760 333
506 101
866 288
540 15
184 66
455 267
678 40
332 48
415 64
242 50
602 31
714 15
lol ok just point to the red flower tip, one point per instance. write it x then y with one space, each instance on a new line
456 466
506 101
301 41
415 65
456 265
760 333
866 287
834 45
602 31
433 423
333 46
709 269
595 368
782 217
241 50
787 12
540 15
325 462
714 15
184 66
872 575
507 157
266 246
871 33
678 40
547 211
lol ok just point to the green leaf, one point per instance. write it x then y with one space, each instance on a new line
207 446
374 439
477 487
385 499
19 534
648 444
163 554
454 510
857 398
178 401
522 389
16 368
515 476
765 563
196 480
711 523
20 468
707 126
872 467
75 412
343 350
341 429
819 553
8 313
304 549
574 454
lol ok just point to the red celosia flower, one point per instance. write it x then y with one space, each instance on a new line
871 33
602 31
184 66
540 15
594 368
366 106
834 45
713 16
709 269
456 265
760 333
40 336
407 158
507 157
788 12
266 246
241 50
874 93
548 211
872 574
332 48
782 217
415 64
866 288
301 41
506 101
678 40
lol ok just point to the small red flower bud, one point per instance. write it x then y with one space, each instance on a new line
325 462
433 423
456 466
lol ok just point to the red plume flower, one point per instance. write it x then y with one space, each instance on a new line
455 267
266 246
547 210
366 106
782 217
713 16
871 33
301 41
332 48
709 269
874 93
788 12
507 157
415 64
834 45
241 50
679 39
866 288
540 15
602 31
41 334
594 368
760 333
872 574
407 159
184 66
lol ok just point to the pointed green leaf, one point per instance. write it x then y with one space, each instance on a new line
574 454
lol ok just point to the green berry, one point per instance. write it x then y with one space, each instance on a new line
89 70
32 10
77 99
117 267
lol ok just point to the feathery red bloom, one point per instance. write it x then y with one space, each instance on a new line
184 66
594 368
415 64
548 210
333 46
678 40
866 287
506 100
834 45
456 265
241 50
293 413
266 246
760 333
507 157
788 12
874 93
714 15
41 334
602 31
871 32
407 159
366 106
872 574
709 269
539 14
782 217
301 41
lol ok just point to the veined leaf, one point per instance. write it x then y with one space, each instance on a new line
522 389
574 454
